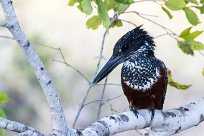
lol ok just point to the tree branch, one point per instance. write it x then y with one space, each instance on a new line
57 114
18 127
162 123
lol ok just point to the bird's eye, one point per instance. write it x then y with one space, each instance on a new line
125 48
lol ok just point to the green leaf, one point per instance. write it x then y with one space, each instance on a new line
93 22
125 1
185 34
191 16
202 9
110 4
3 98
201 1
192 1
175 84
193 35
120 7
117 23
184 46
195 45
86 6
2 113
103 13
188 46
175 4
72 2
167 12
203 72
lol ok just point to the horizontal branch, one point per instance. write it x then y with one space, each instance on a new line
19 128
162 123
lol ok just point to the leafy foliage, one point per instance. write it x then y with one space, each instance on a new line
186 40
175 84
191 16
3 98
103 13
93 22
175 4
188 45
103 7
86 6
125 1
117 23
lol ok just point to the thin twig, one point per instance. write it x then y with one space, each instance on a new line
138 13
4 25
129 22
102 96
90 86
161 35
74 68
81 106
104 100
201 53
170 32
114 84
7 37
100 53
64 61
100 57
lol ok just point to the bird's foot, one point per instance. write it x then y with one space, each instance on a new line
134 110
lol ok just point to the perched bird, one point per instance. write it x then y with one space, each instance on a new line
143 76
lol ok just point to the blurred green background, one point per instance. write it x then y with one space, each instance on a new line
54 24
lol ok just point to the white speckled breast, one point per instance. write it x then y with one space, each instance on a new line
140 72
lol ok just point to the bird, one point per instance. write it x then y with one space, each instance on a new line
143 76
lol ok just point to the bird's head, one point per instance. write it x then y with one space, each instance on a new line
136 41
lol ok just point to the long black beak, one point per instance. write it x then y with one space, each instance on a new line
109 66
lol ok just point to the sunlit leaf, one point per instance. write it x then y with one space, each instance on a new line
175 84
192 1
185 47
195 45
86 6
3 98
121 7
80 8
103 13
117 23
72 2
125 1
110 4
202 9
93 22
2 113
175 4
188 46
185 34
191 16
167 12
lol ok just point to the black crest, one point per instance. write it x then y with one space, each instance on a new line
133 40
